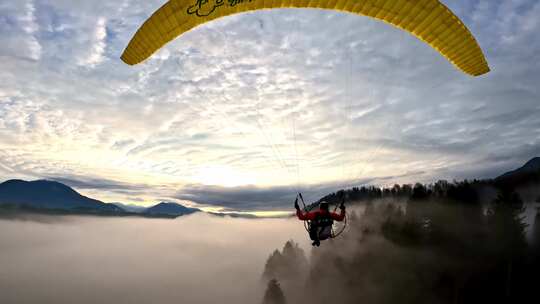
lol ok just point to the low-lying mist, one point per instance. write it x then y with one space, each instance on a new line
193 259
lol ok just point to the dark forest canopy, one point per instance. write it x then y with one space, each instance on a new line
462 191
466 191
445 242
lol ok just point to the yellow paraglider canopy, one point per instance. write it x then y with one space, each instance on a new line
429 20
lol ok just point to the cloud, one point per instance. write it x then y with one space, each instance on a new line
98 44
82 182
18 29
277 96
239 198
252 198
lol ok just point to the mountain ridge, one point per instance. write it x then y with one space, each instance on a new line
46 194
53 197
532 165
526 174
169 209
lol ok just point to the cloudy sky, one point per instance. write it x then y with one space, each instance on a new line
244 111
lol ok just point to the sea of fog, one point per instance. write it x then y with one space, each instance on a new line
192 259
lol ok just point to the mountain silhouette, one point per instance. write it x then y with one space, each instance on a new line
169 209
45 194
527 174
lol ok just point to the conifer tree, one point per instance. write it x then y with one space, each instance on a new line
274 294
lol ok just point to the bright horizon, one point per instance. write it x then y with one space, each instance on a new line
239 114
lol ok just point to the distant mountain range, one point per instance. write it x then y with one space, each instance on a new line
54 197
43 194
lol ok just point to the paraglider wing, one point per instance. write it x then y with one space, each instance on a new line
429 20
